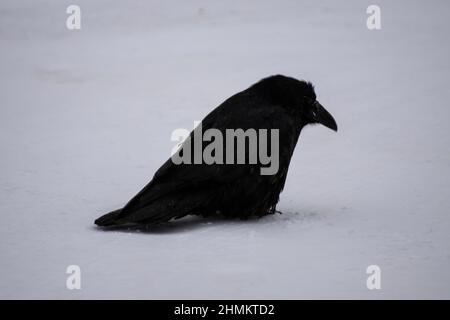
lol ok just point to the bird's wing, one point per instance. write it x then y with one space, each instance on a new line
239 111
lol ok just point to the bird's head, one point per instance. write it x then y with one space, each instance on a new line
300 98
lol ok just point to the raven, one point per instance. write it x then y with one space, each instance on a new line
231 190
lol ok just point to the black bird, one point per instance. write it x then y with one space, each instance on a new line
232 190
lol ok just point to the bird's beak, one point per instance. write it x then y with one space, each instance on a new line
322 116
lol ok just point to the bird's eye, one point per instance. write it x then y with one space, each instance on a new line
308 100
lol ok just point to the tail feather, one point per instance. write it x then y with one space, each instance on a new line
146 216
156 212
108 219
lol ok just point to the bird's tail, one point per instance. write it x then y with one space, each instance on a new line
146 216
108 219
159 211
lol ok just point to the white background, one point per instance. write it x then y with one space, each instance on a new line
86 118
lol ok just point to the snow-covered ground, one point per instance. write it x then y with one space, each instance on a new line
86 118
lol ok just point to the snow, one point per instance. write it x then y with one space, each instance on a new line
86 118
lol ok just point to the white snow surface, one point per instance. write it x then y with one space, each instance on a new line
86 118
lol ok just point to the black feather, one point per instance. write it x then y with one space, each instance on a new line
233 190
